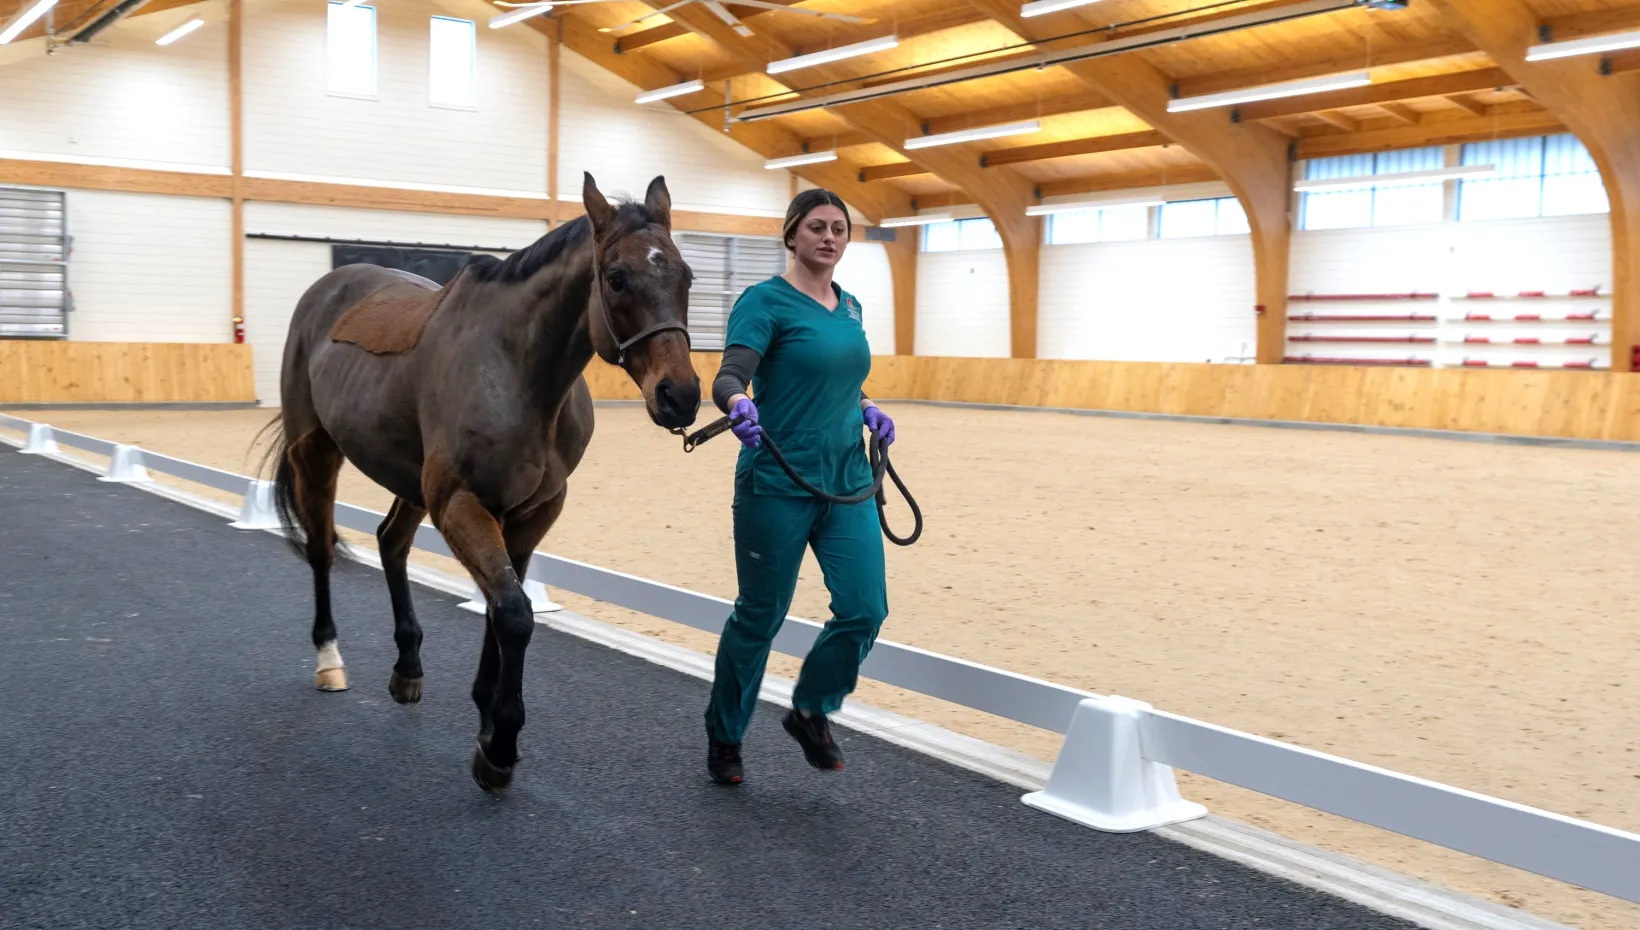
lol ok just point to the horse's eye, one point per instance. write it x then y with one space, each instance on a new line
617 281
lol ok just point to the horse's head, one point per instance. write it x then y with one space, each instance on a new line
640 318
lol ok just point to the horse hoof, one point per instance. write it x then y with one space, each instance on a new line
491 778
404 690
330 679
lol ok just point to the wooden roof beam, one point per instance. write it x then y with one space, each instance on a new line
1057 105
1018 154
1335 118
1442 47
673 30
1604 112
840 140
1439 85
1506 122
937 21
899 169
1462 102
764 138
1127 180
1591 23
654 34
1031 109
1090 145
1401 113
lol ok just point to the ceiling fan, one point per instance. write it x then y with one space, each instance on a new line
717 8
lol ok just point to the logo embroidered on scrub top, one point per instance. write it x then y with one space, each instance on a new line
853 310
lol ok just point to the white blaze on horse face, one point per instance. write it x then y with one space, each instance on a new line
655 255
329 656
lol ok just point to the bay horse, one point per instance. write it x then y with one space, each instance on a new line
469 404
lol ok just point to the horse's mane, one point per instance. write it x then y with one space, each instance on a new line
630 216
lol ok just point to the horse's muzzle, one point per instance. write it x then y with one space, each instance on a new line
676 404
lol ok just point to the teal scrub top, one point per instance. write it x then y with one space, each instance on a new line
807 387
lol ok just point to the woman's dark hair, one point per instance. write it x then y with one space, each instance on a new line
803 204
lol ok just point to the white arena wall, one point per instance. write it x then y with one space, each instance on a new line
122 100
293 127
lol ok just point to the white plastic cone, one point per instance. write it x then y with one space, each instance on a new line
540 600
41 441
1102 779
256 512
125 467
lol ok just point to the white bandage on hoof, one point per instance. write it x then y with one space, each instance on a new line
330 676
330 656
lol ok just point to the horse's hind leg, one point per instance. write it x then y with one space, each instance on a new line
316 461
394 539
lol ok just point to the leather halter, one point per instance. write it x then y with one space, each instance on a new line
661 327
622 345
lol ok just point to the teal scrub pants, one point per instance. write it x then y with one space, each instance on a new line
770 535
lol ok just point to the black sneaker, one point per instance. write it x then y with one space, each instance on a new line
814 735
723 762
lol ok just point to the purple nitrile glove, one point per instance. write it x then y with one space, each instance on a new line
746 430
880 425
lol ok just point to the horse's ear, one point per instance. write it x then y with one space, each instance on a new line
658 201
598 209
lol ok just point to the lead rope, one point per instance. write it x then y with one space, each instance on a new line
879 466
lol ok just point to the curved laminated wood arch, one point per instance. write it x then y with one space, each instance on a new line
1004 194
1251 158
1603 111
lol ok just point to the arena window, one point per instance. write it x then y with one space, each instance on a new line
451 60
1220 216
1387 205
350 51
1107 224
961 235
1537 176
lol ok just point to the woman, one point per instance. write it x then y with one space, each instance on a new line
797 339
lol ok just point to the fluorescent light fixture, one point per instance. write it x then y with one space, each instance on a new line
807 158
516 16
1271 92
1593 45
676 90
834 54
972 135
1043 7
921 219
25 20
1464 172
1043 209
179 31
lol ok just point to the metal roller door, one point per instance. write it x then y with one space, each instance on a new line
723 266
34 246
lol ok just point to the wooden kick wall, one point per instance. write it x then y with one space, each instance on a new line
1579 405
124 372
1567 404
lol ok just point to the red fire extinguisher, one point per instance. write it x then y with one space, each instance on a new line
239 329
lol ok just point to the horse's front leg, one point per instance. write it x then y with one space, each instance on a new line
475 536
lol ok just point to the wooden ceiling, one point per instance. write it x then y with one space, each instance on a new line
1430 86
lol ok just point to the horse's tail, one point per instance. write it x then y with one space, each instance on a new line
284 484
